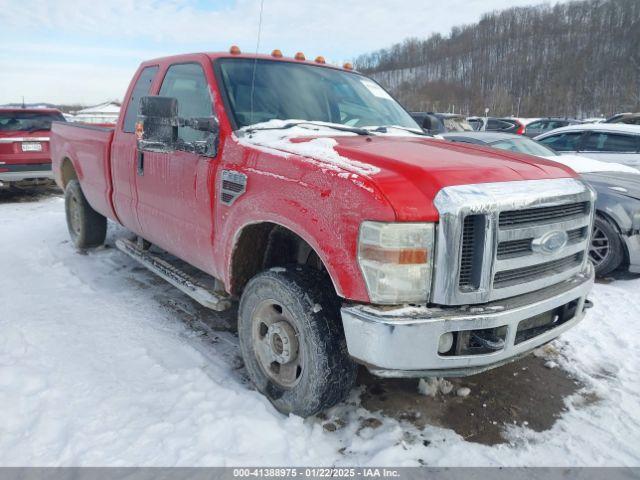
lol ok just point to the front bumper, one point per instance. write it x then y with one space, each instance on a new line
403 342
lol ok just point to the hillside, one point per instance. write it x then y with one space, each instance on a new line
573 59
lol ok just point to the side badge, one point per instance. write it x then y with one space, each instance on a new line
234 184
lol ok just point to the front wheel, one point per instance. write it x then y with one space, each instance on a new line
292 340
606 250
87 228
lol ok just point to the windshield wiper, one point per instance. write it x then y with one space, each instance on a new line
342 128
385 129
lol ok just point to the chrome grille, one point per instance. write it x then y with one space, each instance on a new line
510 254
552 214
516 276
516 248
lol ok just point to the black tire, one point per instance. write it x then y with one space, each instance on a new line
606 250
87 228
304 298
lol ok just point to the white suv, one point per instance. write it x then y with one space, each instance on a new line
609 142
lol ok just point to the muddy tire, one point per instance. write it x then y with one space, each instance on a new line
87 228
606 250
292 340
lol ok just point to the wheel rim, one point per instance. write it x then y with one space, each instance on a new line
74 215
276 345
600 247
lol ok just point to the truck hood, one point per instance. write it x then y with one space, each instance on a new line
410 170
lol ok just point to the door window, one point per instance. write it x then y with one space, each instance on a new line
563 142
610 142
186 82
140 89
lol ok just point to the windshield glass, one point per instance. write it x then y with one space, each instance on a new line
287 91
524 145
27 121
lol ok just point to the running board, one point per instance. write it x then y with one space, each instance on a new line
176 277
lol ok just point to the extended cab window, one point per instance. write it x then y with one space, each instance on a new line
263 90
187 83
563 142
140 89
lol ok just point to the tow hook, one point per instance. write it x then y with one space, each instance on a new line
488 340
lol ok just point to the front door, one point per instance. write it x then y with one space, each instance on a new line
175 189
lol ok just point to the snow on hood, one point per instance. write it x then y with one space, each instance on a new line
582 164
311 140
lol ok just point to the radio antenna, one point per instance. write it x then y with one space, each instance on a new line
255 60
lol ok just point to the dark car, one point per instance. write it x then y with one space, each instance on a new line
494 124
435 123
538 127
616 234
628 118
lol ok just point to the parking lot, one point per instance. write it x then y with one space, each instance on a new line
102 363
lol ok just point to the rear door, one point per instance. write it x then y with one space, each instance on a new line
175 189
612 147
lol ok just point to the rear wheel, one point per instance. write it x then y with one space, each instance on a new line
606 250
87 228
292 340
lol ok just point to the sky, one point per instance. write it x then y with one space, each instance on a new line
64 51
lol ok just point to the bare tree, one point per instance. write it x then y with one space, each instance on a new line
580 58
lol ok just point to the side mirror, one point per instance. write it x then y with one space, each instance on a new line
157 126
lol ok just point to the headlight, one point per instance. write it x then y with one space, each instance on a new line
396 261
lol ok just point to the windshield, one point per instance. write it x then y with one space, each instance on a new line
286 91
28 121
524 145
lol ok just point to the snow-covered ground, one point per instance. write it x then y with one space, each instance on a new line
98 366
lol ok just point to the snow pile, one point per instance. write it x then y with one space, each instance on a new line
582 164
96 369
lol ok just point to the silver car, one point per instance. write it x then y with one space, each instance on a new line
608 142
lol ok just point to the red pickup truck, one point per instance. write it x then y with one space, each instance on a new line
24 145
348 235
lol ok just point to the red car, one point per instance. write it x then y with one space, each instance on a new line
348 235
24 145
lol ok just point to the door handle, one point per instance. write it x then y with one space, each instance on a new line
140 158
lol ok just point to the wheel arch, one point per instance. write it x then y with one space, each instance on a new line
258 246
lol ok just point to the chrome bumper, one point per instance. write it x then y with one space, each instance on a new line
403 342
26 175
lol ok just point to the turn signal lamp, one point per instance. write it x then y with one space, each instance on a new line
139 130
234 50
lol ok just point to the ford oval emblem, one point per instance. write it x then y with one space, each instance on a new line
550 242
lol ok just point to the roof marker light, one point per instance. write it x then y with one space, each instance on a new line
347 66
276 53
234 50
320 59
300 56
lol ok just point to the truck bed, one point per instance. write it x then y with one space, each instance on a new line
88 147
